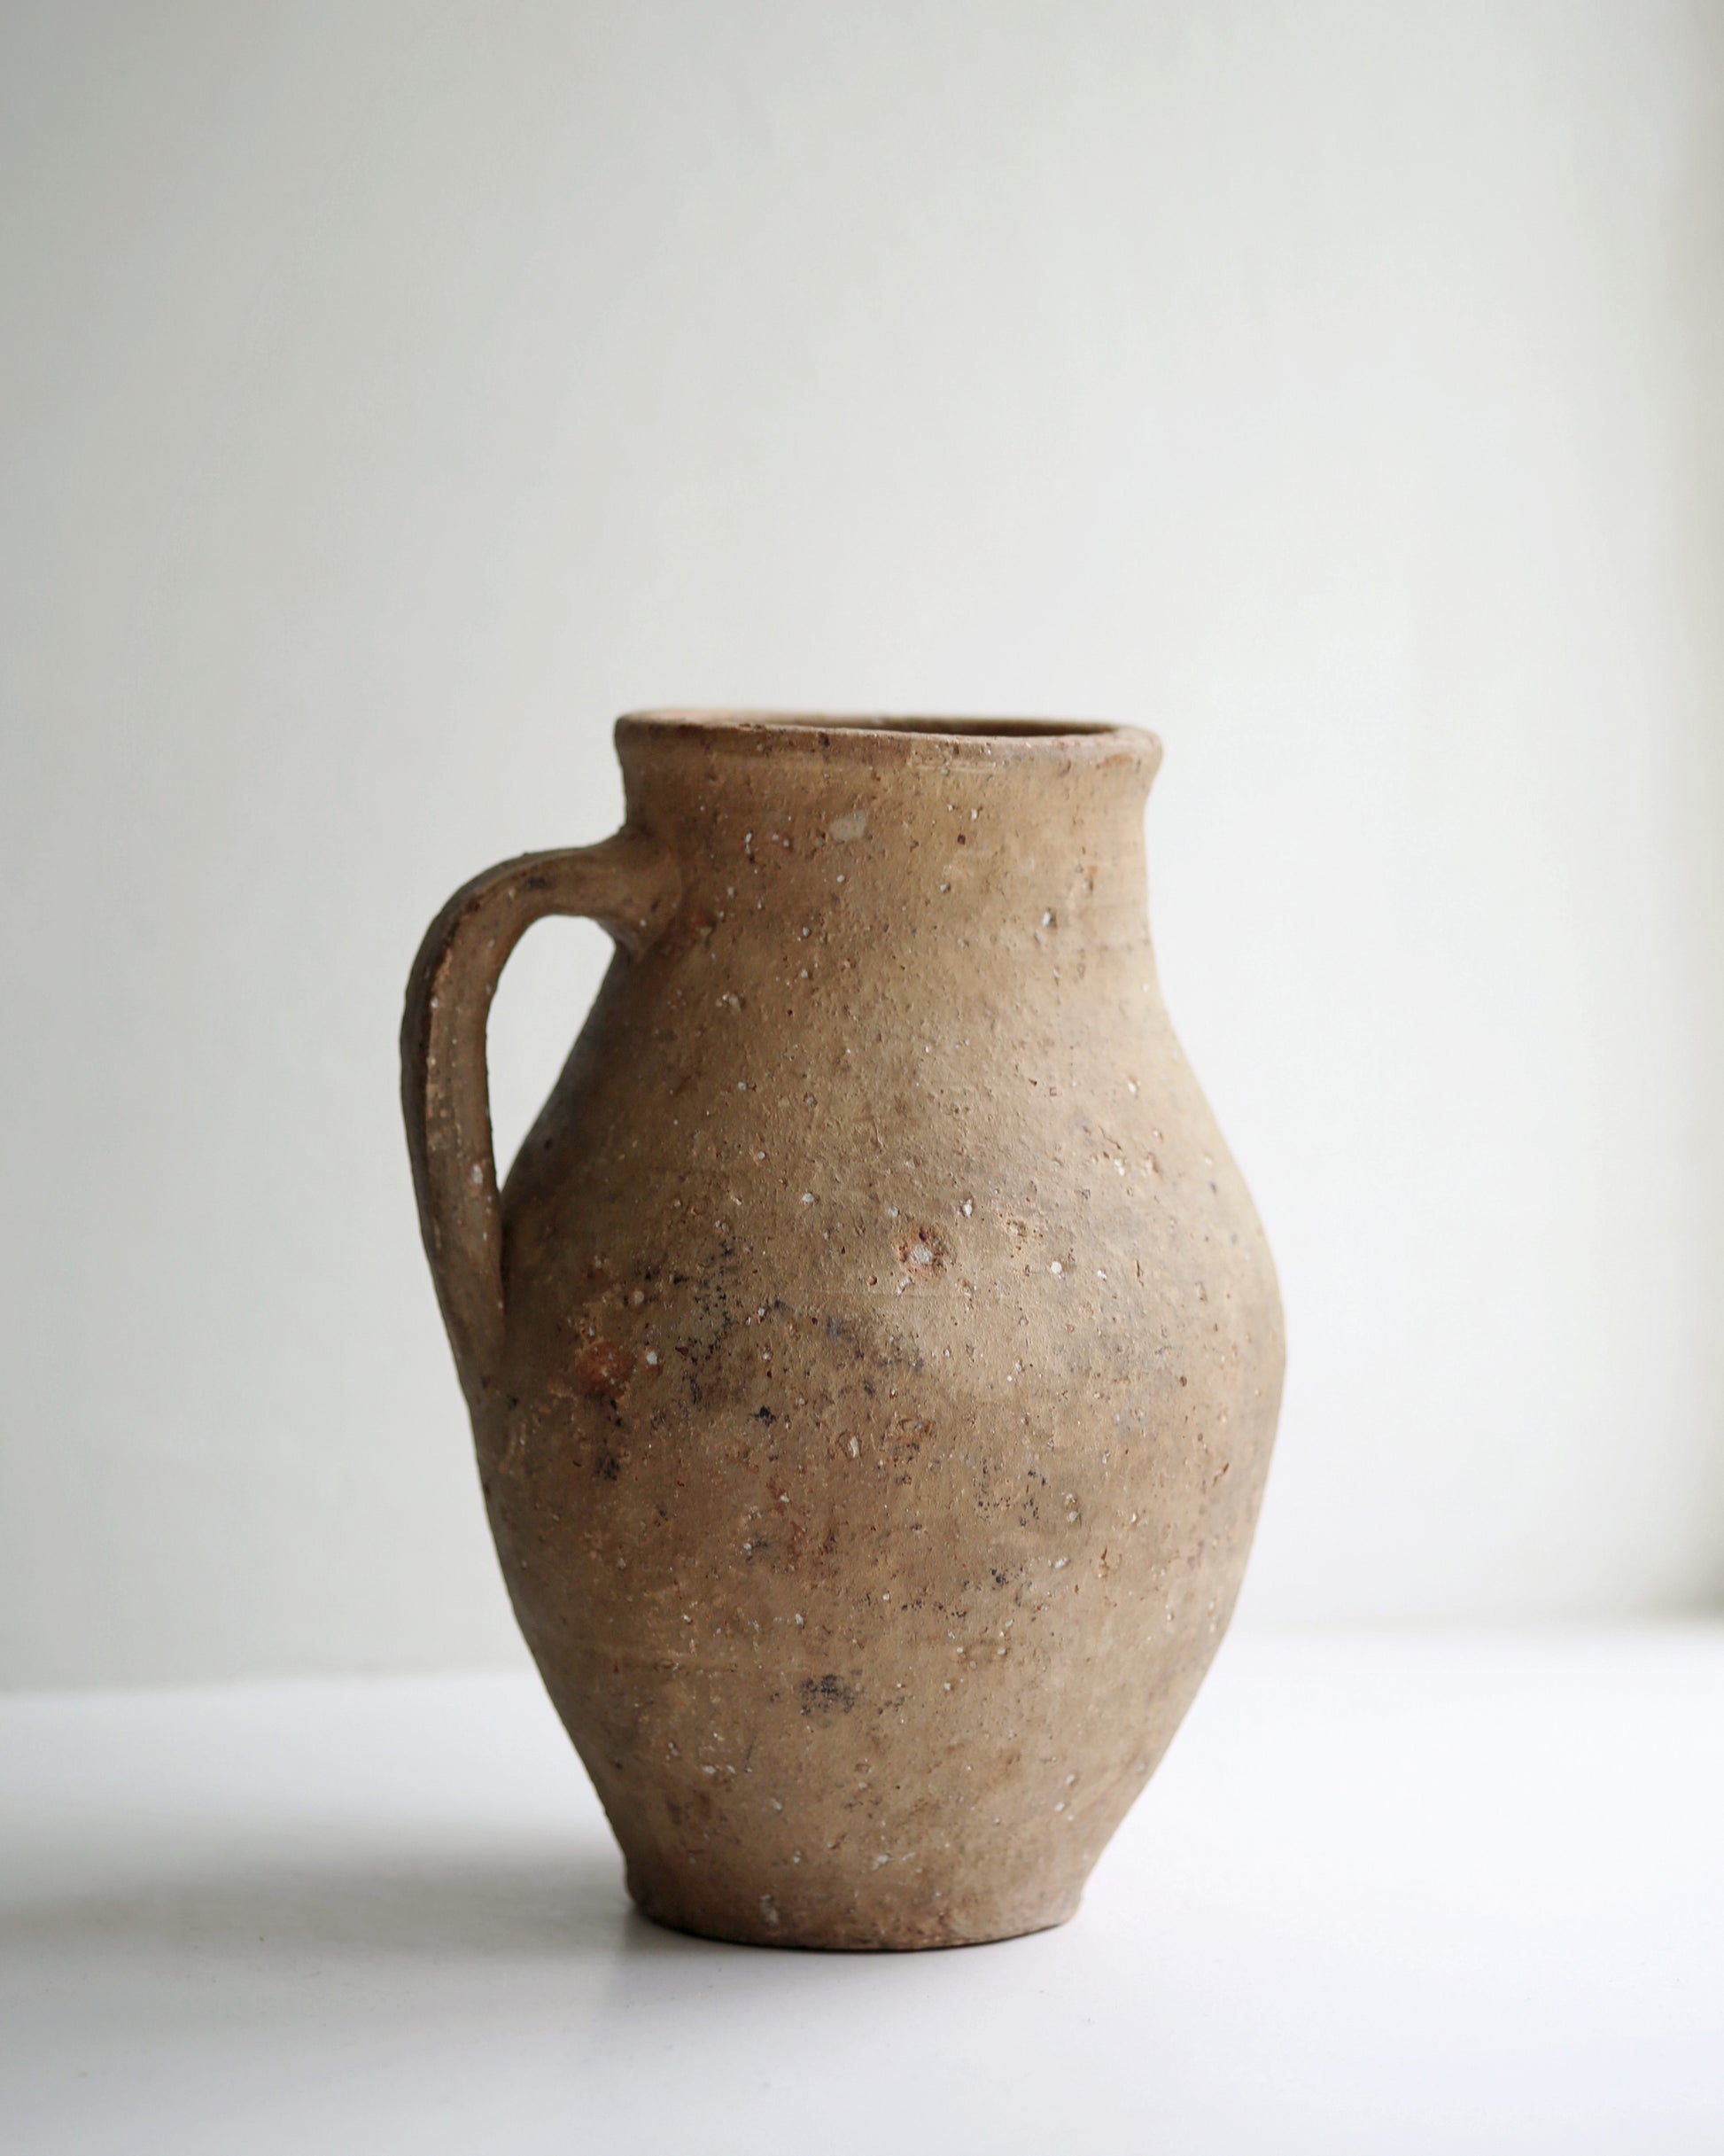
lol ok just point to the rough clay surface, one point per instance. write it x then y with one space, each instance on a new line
892 1354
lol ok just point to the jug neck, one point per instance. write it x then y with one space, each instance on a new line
897 827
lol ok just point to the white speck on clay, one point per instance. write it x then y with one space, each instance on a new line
652 1359
808 1197
1056 1268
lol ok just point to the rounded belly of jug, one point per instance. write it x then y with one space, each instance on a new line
873 1541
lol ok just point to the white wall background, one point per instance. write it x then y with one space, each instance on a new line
390 394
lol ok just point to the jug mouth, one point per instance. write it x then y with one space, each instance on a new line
915 735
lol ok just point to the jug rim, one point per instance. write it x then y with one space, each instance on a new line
910 734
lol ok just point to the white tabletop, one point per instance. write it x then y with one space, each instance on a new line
1458 1893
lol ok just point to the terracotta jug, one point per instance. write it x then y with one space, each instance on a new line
874 1357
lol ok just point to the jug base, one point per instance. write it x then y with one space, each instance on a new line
915 1929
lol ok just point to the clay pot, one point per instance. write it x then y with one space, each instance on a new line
874 1356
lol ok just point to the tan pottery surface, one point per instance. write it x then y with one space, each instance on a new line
874 1356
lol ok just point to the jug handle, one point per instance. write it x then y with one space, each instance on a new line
629 885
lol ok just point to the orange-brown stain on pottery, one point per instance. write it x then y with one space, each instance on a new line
874 1357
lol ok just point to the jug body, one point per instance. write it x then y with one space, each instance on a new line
875 1409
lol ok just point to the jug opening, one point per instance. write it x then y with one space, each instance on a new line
865 732
869 722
